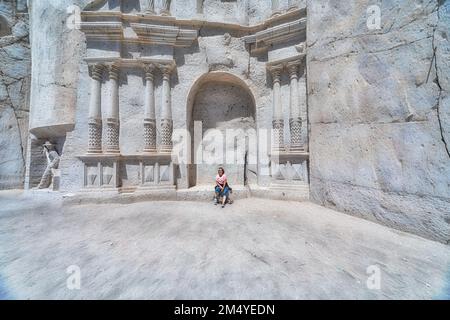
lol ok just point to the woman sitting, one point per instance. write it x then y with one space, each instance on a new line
222 189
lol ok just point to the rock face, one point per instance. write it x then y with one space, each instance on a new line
378 98
14 88
379 112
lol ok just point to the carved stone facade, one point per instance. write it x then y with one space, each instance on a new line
152 74
351 117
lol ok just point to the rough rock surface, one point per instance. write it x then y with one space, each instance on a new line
379 111
14 87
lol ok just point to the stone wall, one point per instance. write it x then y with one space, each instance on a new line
14 88
379 110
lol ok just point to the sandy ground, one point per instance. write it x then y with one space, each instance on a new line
253 249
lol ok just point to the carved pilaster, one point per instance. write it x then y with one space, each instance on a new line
95 113
278 122
149 110
166 135
295 126
166 111
295 120
112 121
278 135
95 135
112 135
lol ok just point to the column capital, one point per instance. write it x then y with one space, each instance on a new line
96 70
149 69
114 70
293 67
275 71
166 69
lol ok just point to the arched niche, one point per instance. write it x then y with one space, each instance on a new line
225 107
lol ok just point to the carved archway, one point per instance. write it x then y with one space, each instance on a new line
225 105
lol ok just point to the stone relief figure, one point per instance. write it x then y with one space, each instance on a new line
52 163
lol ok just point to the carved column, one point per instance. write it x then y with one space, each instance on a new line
303 104
277 122
95 111
166 111
150 6
112 120
149 110
165 10
295 119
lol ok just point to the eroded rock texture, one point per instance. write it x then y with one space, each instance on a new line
380 112
14 88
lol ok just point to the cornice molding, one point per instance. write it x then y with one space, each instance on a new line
137 62
196 23
166 35
280 33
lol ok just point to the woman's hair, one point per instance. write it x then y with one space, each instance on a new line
221 168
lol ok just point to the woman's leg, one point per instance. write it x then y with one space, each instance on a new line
226 192
217 195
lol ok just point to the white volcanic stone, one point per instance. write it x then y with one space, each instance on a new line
378 100
376 139
14 89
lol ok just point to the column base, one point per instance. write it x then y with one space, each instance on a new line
165 150
296 149
150 151
111 152
94 151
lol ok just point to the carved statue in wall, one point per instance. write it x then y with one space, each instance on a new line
52 163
